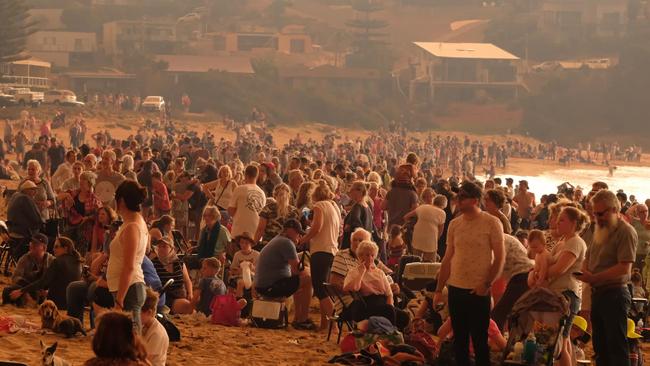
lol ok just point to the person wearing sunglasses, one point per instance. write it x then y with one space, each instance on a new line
473 261
607 268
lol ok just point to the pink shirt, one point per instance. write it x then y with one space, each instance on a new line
374 282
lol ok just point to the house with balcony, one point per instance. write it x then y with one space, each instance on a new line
63 49
600 17
30 73
123 36
464 72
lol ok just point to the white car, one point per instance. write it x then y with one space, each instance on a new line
153 103
63 97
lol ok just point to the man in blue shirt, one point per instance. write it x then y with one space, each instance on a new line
279 273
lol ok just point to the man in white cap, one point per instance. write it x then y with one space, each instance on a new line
23 217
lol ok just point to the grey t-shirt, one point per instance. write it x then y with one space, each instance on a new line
273 262
620 247
567 281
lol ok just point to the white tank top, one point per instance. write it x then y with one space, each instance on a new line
327 238
116 258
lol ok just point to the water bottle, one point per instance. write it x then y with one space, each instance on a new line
530 349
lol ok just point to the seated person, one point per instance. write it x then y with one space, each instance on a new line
30 268
169 266
210 285
430 312
279 273
213 237
245 253
371 282
64 269
154 335
345 260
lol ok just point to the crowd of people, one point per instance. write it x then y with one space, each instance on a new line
108 223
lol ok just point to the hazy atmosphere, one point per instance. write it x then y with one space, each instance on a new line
203 166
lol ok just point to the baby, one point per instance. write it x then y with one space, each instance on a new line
537 246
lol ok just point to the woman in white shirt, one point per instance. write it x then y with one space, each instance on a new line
430 224
124 273
323 238
220 190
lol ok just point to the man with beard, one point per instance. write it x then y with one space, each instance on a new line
607 270
474 260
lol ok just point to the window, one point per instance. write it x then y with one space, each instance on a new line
78 44
297 46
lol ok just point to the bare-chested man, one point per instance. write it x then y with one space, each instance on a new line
525 202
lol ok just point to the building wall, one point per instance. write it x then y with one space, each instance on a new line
287 43
122 34
58 59
55 41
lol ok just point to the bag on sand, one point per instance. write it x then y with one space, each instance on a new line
225 310
172 330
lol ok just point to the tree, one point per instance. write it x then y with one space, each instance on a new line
276 12
15 26
370 48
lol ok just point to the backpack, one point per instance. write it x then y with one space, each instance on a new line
225 310
173 332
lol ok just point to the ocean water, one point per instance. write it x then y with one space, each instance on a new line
632 180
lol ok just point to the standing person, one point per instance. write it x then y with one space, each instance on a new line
23 217
56 155
220 190
607 270
427 230
247 202
44 197
124 273
323 244
525 202
108 179
273 216
401 199
473 261
64 171
360 214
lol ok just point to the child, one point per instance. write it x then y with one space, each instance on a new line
636 354
244 254
537 246
637 285
161 203
154 335
396 246
210 285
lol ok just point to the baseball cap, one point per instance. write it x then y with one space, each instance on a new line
39 239
293 224
28 184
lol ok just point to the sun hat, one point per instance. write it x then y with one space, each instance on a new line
631 333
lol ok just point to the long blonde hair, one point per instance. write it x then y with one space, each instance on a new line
281 193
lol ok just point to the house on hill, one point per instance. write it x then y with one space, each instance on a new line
602 17
464 72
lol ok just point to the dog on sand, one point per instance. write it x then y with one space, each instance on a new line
52 319
49 359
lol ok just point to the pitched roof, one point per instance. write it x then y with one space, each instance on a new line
192 63
466 50
329 72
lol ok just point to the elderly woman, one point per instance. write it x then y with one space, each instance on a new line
45 195
169 266
81 206
220 190
274 214
371 282
65 268
360 214
127 167
323 244
90 162
429 226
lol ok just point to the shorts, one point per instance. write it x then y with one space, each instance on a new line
321 266
282 288
574 308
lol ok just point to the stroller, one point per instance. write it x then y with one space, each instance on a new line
545 313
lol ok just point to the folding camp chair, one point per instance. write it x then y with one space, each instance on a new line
336 295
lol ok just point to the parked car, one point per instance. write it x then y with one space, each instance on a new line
7 100
547 66
153 103
24 96
600 63
62 97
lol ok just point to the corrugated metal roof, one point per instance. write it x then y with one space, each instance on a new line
466 50
192 63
